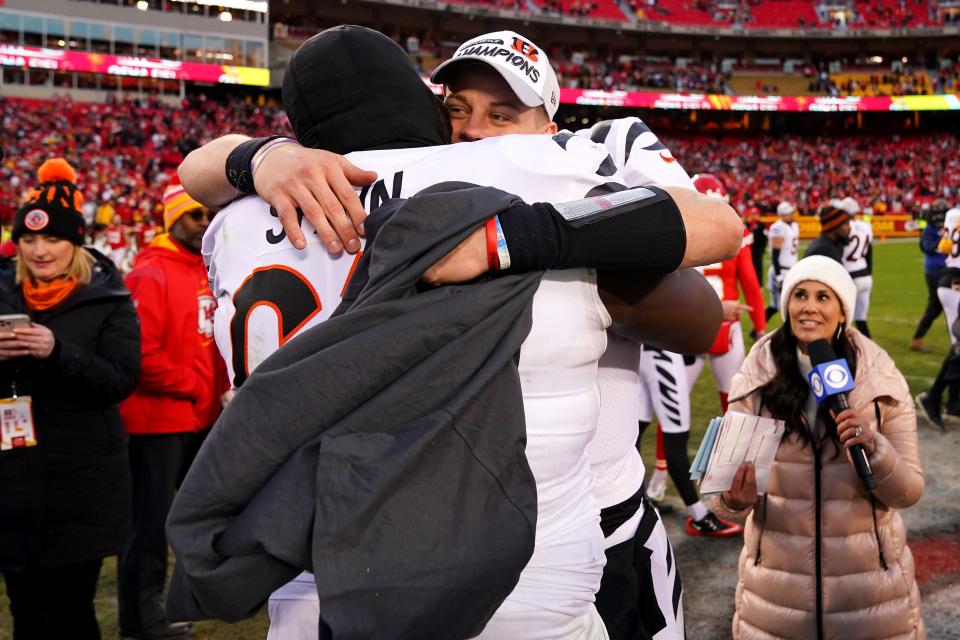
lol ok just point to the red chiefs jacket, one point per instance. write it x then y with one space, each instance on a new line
724 277
183 376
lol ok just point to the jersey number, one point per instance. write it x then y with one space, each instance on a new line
284 290
858 252
955 240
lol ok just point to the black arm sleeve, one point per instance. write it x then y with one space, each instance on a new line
775 260
646 233
870 258
237 166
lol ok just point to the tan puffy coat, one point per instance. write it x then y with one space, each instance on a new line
866 569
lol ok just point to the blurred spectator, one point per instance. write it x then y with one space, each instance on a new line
758 231
934 263
834 234
177 401
64 502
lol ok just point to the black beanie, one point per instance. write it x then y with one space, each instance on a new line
350 88
53 208
832 217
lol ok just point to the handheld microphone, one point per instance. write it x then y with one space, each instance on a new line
830 380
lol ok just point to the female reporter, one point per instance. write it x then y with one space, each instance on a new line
64 502
822 557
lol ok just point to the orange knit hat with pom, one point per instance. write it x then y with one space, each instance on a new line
53 207
176 202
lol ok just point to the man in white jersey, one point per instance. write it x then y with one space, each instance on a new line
389 189
858 261
929 403
784 237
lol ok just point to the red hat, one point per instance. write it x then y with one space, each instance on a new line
709 185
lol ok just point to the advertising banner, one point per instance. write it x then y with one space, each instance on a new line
883 226
708 102
130 66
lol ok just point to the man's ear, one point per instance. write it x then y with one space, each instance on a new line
550 128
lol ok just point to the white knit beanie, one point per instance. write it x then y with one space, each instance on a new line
825 270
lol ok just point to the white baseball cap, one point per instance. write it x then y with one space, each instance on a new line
522 64
785 209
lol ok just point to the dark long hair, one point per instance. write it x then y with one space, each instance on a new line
785 395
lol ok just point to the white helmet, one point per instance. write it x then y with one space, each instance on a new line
850 205
785 209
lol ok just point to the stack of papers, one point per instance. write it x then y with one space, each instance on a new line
729 442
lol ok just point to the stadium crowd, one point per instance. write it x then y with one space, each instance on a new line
603 68
863 14
890 174
147 139
613 71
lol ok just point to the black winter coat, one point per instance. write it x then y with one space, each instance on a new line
68 499
383 449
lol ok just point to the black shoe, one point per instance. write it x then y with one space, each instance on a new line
930 409
164 631
711 525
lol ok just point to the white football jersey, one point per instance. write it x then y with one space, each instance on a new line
641 160
855 251
791 241
950 224
268 291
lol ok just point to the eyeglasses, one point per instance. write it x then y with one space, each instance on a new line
199 214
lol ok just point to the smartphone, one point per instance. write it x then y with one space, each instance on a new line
12 321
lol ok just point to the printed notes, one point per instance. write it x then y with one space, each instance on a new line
730 441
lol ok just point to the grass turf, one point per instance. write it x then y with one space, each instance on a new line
899 297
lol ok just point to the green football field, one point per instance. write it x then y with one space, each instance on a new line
899 297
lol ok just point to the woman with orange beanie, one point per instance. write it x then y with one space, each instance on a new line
65 364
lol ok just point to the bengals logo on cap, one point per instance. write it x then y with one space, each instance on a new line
525 48
36 220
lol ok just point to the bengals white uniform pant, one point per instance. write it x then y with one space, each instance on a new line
864 289
664 390
294 610
294 617
724 366
950 299
774 285
645 529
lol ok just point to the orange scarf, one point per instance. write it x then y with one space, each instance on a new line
41 297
